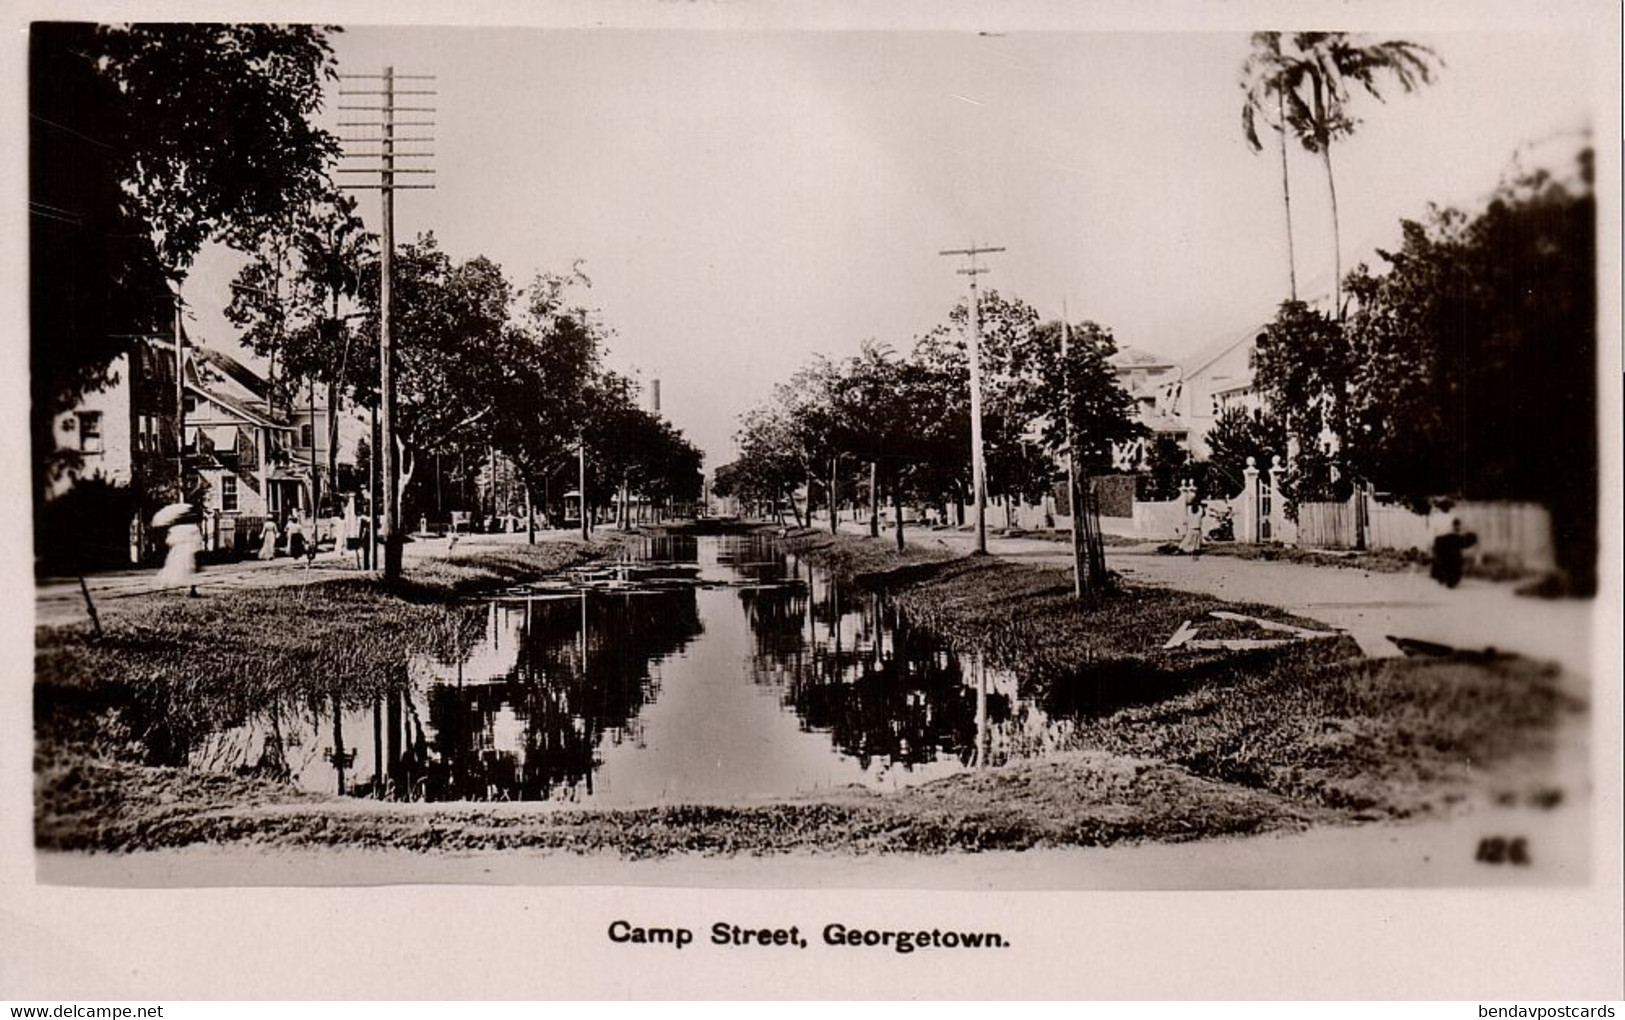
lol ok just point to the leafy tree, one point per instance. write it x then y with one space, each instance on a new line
810 403
767 469
1101 411
1165 468
455 356
146 141
1237 435
1474 359
289 300
543 413
1303 368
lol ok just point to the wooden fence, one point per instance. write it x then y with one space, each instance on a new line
1519 534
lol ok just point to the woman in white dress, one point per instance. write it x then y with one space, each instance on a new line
268 539
185 539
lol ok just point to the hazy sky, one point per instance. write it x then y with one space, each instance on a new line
743 199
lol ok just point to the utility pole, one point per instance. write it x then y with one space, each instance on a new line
180 406
387 154
978 469
581 477
1071 459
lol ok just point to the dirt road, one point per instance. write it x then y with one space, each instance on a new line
1370 605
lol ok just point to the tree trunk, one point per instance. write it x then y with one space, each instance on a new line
833 523
897 506
333 439
1337 242
1286 196
874 498
530 516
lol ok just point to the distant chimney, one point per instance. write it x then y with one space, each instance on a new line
654 395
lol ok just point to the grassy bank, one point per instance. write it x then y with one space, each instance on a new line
168 667
1313 722
1163 744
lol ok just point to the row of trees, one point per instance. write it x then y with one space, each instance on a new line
482 368
149 141
900 424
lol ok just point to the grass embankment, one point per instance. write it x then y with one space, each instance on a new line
168 668
1169 744
1313 723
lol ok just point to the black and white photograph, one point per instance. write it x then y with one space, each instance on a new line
1001 460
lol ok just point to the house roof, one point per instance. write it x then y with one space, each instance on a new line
239 409
235 370
1216 349
1127 358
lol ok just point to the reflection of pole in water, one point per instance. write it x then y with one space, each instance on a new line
339 757
583 638
378 779
393 744
880 630
835 613
984 732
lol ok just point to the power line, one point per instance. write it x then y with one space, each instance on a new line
386 169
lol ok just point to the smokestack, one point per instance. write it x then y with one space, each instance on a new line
654 395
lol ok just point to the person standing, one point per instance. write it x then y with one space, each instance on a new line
268 537
296 537
1195 512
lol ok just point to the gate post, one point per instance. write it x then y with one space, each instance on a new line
1247 512
1280 528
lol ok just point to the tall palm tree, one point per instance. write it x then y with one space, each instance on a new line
1314 88
1262 81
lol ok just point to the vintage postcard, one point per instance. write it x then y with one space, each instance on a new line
681 499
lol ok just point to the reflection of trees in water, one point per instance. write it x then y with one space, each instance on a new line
537 729
664 548
777 617
851 666
752 559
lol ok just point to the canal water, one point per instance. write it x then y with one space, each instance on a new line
700 670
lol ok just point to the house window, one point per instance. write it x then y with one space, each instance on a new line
189 403
90 431
228 493
306 436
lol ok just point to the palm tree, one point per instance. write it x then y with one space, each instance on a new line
1313 86
1261 80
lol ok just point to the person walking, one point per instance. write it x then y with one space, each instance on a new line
184 540
1447 550
296 537
268 537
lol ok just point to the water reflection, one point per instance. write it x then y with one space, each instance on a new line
746 674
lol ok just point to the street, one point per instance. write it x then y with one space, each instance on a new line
1371 606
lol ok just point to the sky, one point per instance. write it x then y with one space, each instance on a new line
744 199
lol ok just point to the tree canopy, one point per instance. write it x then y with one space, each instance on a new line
145 142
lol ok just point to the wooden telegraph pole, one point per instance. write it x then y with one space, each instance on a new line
387 154
978 470
581 487
1072 501
180 405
